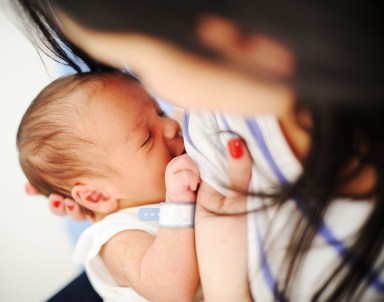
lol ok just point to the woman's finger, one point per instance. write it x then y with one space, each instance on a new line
239 174
56 204
239 165
31 189
208 199
74 210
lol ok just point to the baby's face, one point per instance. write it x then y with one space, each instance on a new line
139 139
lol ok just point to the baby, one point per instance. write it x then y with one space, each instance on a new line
103 141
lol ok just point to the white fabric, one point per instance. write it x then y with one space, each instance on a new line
177 214
90 243
93 238
206 136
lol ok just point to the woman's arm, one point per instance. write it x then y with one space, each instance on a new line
221 241
163 268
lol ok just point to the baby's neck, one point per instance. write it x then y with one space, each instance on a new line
122 204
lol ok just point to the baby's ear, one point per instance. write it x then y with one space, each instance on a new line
94 198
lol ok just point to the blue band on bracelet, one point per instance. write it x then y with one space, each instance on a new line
149 214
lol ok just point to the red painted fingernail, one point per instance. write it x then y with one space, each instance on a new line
56 203
70 207
235 147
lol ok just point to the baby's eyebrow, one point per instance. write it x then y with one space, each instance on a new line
157 105
136 125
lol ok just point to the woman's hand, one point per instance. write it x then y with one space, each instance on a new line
221 240
61 206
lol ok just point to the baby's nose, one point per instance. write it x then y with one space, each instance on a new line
171 129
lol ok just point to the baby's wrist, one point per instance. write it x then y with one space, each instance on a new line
177 214
189 197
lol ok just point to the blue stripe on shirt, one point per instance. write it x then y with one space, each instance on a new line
325 232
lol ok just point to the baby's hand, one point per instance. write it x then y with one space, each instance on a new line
182 178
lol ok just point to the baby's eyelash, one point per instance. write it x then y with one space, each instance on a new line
147 140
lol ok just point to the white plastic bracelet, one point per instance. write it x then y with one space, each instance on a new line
177 214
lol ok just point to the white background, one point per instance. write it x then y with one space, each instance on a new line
35 246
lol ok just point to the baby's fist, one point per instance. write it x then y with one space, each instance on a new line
182 178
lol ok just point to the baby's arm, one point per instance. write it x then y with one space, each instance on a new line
162 268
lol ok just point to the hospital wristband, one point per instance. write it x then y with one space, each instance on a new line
177 214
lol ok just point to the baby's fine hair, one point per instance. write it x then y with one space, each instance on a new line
54 139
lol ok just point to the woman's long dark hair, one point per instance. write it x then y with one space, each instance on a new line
46 36
338 82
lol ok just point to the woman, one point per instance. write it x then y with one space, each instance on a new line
313 67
